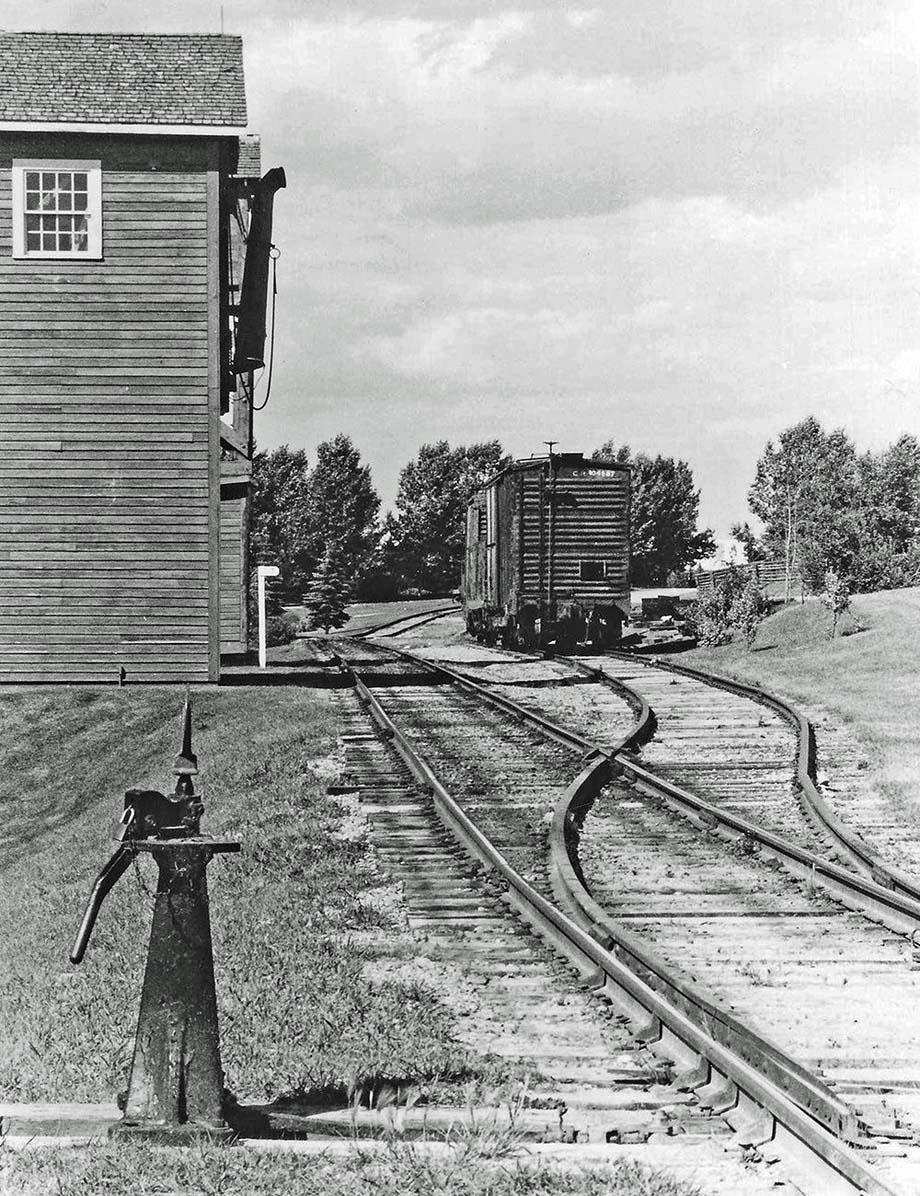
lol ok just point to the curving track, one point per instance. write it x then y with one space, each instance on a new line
806 1026
753 753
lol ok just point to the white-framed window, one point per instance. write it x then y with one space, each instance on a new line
57 208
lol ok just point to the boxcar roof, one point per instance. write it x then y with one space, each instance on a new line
565 459
131 79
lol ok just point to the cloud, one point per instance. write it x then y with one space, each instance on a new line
681 225
477 121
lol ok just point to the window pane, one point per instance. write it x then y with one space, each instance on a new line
55 211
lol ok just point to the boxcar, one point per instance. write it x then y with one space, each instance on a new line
547 553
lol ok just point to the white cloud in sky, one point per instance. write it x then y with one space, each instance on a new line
681 225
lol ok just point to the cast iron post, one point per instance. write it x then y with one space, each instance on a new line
175 1090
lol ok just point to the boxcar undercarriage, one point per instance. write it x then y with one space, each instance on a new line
561 626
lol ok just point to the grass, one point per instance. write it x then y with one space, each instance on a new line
295 918
298 925
869 676
369 614
400 1170
298 929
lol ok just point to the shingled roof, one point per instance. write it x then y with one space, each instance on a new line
122 79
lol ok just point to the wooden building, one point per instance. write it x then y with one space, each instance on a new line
128 188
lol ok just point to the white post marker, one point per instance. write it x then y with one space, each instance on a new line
263 571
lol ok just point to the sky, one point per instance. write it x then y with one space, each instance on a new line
680 226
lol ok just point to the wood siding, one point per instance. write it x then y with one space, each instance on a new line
107 410
585 514
590 522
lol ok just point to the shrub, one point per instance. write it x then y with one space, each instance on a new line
710 618
735 605
281 629
747 611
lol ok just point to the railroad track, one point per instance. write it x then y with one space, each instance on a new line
522 1005
404 623
750 751
708 1007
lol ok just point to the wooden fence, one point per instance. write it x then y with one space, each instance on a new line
765 573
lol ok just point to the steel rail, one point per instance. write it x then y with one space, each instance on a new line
864 858
860 854
856 891
724 1079
421 617
808 1091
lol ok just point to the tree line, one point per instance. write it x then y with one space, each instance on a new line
322 524
825 509
828 509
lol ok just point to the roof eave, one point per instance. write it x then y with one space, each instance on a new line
150 130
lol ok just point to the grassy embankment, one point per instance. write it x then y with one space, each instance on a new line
869 676
297 920
297 1010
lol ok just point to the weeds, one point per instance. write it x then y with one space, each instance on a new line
399 1169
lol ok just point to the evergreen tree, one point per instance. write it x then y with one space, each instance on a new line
426 537
328 593
664 506
279 521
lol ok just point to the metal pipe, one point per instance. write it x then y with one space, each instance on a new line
250 335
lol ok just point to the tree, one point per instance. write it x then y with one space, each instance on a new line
343 507
805 491
328 593
426 536
751 546
887 517
279 521
836 597
664 507
890 486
